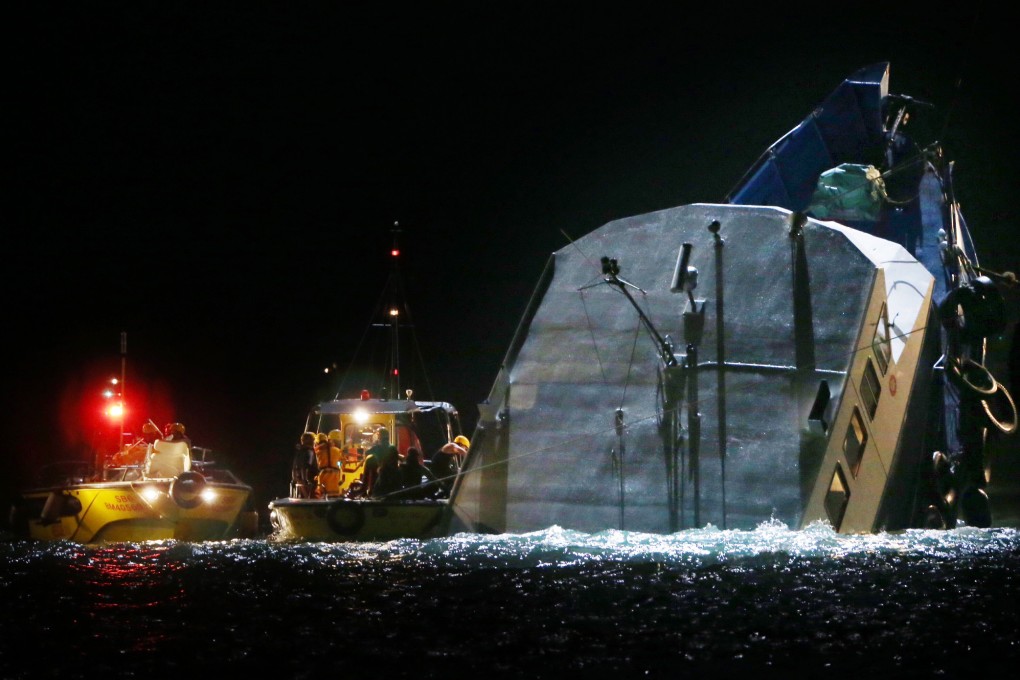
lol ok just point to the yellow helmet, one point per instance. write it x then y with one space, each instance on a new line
336 436
321 437
462 440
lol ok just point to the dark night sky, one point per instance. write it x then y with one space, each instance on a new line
219 179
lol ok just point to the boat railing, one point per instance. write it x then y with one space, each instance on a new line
200 454
122 473
216 475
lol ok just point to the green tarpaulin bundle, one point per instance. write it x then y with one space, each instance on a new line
848 192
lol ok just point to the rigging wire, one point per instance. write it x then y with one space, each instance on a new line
591 332
364 336
392 289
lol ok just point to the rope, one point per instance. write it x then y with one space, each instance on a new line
591 331
630 365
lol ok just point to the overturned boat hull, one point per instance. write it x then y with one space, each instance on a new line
795 354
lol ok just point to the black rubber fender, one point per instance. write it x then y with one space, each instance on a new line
976 508
345 518
983 309
186 489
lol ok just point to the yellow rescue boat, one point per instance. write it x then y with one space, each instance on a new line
343 501
173 492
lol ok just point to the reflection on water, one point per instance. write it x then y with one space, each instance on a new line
550 604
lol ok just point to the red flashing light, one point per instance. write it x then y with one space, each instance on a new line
396 372
365 396
395 252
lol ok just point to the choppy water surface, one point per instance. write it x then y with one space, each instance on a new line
555 603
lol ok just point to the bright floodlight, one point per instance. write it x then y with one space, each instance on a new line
150 493
208 495
360 416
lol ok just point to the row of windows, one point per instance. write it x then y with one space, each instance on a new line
856 438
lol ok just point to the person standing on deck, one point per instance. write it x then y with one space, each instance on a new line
303 467
327 460
416 481
377 457
447 461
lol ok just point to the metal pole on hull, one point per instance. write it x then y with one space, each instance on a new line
694 425
618 421
720 350
685 280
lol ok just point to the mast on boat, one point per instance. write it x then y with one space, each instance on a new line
391 315
394 312
123 387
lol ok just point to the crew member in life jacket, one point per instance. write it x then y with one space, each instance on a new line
174 432
327 459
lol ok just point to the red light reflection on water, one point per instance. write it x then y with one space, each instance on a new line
127 575
130 584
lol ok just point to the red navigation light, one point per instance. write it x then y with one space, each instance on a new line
395 252
365 396
396 372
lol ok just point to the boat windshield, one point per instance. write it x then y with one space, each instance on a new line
361 436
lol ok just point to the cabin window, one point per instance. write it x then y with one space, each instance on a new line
362 436
880 343
837 498
855 441
817 422
871 389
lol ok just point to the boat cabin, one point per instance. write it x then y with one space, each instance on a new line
419 424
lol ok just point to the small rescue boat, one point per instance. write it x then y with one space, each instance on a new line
158 490
340 503
334 494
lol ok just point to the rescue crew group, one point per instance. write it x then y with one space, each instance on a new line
321 461
321 464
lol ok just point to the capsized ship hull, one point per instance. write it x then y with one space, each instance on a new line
581 435
793 355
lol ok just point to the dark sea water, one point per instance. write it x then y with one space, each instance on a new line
701 604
